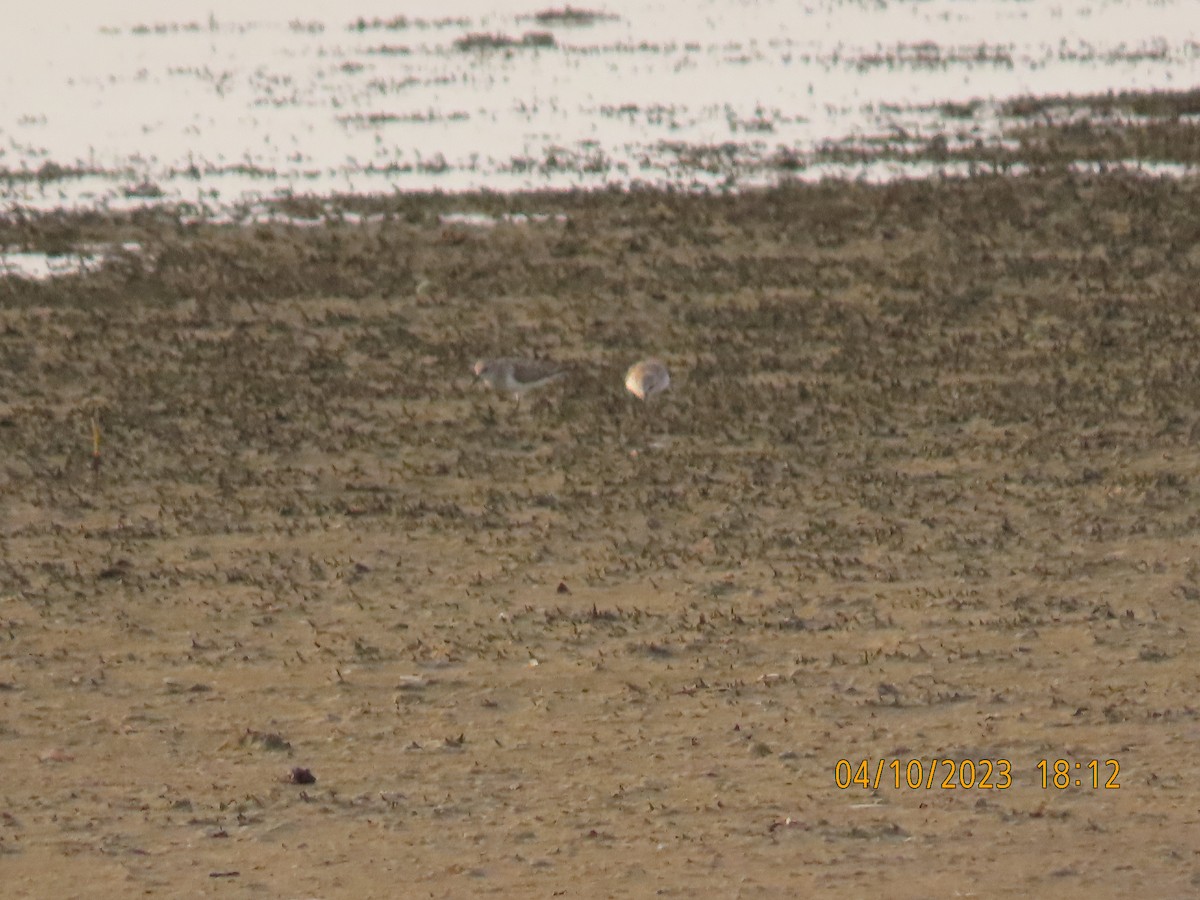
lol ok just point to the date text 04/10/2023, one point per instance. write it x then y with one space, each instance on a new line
972 774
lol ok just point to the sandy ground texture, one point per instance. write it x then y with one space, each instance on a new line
924 488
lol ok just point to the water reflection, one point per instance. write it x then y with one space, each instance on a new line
115 110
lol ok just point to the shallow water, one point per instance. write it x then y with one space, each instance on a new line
130 105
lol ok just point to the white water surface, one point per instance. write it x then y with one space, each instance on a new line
227 102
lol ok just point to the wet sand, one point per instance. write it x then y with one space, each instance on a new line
923 488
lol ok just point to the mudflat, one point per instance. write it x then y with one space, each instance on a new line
320 617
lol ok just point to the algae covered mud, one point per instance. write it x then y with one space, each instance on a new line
891 592
310 614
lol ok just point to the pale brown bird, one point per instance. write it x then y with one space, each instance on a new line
647 378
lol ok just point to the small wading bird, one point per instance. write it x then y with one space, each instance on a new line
516 376
647 378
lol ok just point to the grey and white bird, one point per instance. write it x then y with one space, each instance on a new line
647 378
516 376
